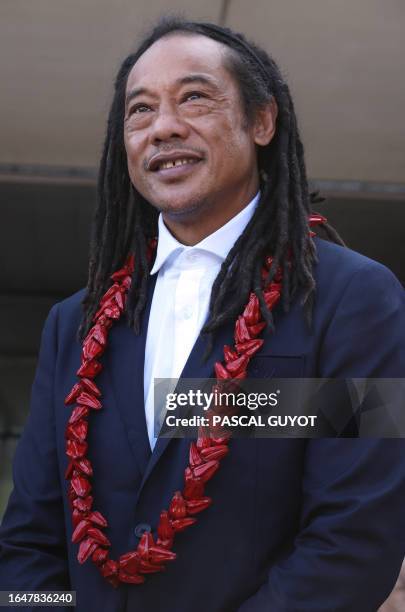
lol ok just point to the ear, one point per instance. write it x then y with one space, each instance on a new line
265 123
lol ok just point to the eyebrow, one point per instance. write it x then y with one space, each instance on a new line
186 80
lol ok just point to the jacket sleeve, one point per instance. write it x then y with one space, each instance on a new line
350 545
32 535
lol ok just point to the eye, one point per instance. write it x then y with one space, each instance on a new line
138 109
194 95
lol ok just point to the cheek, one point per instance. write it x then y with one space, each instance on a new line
230 137
233 151
133 148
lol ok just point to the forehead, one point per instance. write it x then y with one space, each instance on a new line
177 55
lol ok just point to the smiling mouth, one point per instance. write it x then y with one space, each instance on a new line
166 165
174 163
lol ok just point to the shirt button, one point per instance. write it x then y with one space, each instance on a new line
192 257
142 528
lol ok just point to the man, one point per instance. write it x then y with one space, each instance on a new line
203 149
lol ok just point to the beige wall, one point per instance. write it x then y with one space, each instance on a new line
342 58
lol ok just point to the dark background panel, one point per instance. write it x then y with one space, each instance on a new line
374 227
44 237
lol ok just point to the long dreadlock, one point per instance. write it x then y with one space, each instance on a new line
124 220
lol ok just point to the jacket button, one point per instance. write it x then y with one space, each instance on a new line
142 528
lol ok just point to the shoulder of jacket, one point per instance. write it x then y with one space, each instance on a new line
68 313
338 263
73 303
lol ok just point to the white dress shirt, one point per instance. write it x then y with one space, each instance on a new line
180 301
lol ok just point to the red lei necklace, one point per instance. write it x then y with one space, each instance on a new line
205 453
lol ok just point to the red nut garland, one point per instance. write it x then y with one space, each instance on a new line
205 453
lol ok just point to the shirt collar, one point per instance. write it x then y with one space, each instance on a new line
218 243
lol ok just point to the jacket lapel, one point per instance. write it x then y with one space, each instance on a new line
125 364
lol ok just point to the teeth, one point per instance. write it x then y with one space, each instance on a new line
177 162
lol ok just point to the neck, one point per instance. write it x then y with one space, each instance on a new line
207 219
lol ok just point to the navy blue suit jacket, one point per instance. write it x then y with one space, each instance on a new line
296 525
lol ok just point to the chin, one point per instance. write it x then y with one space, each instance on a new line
181 207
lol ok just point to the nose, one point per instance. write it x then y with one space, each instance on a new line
168 125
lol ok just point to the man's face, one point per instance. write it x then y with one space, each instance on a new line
189 150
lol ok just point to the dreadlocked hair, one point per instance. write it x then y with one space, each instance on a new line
124 221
